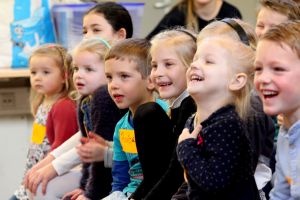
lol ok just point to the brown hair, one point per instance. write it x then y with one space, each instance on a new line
289 8
191 20
285 33
63 61
244 55
135 50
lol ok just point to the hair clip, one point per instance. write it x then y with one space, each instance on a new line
238 29
104 42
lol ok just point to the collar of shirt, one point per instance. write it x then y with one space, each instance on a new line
292 133
177 102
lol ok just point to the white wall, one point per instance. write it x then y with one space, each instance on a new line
14 133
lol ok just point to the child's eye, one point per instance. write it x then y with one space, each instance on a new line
75 69
208 61
260 26
124 76
33 72
279 69
97 30
168 64
108 77
153 66
257 69
46 72
89 69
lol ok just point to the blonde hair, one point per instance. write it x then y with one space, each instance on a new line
63 61
289 8
285 33
191 19
244 55
135 50
181 40
94 45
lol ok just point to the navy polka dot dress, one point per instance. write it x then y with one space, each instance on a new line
219 162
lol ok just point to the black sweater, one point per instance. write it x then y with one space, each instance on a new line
176 17
173 177
96 179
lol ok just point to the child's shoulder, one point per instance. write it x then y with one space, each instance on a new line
63 103
123 119
163 104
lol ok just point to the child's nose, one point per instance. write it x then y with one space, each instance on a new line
159 71
263 77
114 84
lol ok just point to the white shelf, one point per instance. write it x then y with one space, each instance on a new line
14 73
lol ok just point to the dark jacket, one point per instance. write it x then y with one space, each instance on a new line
176 17
173 177
96 179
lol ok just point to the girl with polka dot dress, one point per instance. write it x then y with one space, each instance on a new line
214 149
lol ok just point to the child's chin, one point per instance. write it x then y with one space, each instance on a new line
271 111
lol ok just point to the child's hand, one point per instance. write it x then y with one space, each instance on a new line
43 175
186 134
48 159
91 151
95 137
280 119
73 195
82 197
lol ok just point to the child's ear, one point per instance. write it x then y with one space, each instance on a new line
150 84
122 34
238 82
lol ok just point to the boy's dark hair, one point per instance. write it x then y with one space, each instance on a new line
134 49
285 33
289 8
115 14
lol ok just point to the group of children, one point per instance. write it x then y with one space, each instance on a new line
176 117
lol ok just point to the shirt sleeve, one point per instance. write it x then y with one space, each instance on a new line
66 162
67 145
281 189
61 122
120 165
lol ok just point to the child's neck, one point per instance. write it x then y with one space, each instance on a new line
146 99
51 99
291 118
205 109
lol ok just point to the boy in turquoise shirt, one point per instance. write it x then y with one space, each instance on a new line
127 70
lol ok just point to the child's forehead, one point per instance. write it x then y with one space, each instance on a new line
269 13
123 62
267 48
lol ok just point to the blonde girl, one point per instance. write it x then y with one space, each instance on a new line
53 110
216 155
112 22
171 53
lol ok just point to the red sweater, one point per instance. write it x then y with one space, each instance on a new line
61 122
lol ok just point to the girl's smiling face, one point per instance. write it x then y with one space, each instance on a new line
168 72
209 75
